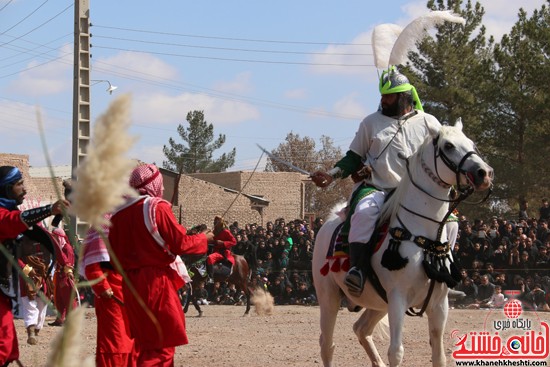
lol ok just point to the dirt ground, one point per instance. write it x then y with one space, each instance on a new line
289 337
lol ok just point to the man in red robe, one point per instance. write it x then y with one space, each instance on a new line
223 241
115 347
146 238
64 298
12 223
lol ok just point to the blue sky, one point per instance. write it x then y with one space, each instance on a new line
258 69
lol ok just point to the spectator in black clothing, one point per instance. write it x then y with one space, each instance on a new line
317 225
470 289
489 270
303 295
288 297
536 298
526 265
276 289
240 247
500 280
543 233
485 291
544 210
526 244
261 251
500 258
507 230
523 209
282 262
543 261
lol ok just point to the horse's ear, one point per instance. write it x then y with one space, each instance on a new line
458 123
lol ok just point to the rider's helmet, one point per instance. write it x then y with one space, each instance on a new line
392 81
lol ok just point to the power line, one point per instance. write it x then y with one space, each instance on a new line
24 18
231 38
229 48
8 3
39 26
230 59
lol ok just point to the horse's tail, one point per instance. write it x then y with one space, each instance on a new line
382 328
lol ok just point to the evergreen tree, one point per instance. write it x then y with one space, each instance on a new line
196 156
520 112
450 68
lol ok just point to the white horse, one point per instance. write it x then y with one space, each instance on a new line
420 204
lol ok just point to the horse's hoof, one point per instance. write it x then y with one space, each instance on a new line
200 314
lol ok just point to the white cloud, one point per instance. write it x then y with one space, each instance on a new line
357 52
147 153
500 16
241 84
136 65
350 106
164 109
299 93
41 79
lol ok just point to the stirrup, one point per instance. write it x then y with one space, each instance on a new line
354 281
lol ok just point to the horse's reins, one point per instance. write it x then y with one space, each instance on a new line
463 194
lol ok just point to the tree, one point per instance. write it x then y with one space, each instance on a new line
196 156
451 69
340 190
301 153
499 91
519 116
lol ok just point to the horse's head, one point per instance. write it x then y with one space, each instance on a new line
457 162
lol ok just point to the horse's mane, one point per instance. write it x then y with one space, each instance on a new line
392 204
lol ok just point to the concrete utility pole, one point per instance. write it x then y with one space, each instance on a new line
81 99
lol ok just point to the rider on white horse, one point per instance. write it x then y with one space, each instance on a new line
400 126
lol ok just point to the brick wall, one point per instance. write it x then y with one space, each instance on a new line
283 190
40 191
200 196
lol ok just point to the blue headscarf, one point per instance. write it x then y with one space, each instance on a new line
12 176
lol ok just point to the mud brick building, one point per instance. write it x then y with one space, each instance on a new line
241 196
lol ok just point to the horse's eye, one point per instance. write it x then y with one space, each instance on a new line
449 146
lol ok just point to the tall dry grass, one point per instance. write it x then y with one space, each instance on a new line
102 179
65 348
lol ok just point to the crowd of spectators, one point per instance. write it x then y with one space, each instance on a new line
498 258
511 255
279 255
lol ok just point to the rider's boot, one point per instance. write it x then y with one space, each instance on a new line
355 279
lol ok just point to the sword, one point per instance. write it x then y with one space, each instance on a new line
288 164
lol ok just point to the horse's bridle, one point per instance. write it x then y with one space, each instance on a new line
458 170
462 191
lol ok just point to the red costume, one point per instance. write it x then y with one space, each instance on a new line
63 277
114 346
10 226
224 240
12 223
145 237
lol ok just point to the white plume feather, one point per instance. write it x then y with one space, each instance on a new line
383 39
415 30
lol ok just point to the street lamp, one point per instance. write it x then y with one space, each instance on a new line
111 87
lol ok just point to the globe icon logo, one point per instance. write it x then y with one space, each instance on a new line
512 309
515 344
